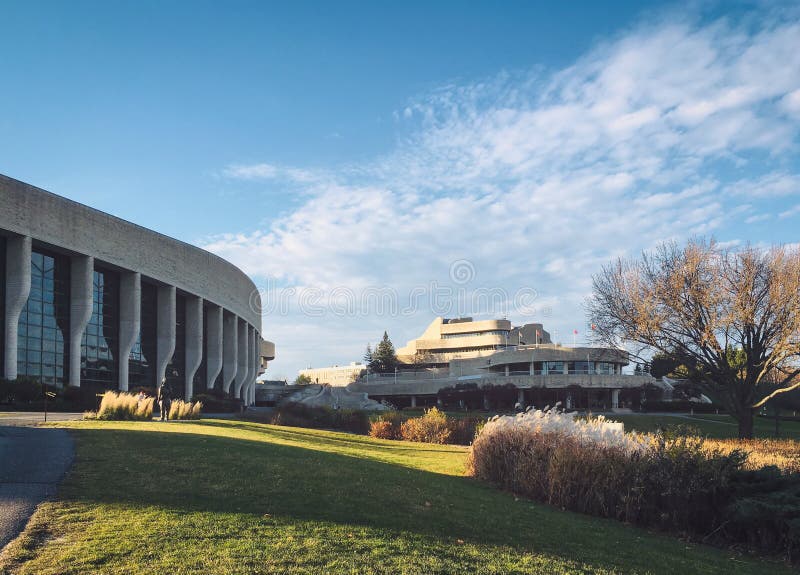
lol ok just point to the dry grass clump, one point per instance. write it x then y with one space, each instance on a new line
179 409
782 453
122 406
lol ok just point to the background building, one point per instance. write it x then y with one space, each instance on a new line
473 363
460 338
338 375
91 301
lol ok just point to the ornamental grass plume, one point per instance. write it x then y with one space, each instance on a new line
597 430
122 406
184 410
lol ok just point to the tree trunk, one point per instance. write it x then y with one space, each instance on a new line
745 419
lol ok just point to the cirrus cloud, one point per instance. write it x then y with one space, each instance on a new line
671 129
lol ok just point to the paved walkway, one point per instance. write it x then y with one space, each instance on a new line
32 462
34 417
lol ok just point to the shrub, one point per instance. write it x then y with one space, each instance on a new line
382 430
20 390
671 481
781 453
125 406
765 514
426 428
464 430
430 428
300 415
215 401
386 426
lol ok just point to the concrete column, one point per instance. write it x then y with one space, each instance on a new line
485 402
130 320
165 330
508 370
213 345
194 341
80 311
18 288
521 398
532 369
253 372
243 369
413 401
255 359
614 398
230 335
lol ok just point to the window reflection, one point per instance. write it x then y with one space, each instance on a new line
44 321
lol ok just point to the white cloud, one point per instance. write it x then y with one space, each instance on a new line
754 219
264 171
538 180
791 212
773 185
791 103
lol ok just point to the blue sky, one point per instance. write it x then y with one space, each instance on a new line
372 165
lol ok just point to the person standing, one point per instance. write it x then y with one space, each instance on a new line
164 399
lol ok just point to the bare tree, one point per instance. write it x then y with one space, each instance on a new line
732 314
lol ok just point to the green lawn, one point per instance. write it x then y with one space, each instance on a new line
227 497
717 426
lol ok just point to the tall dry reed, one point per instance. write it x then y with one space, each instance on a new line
124 406
180 409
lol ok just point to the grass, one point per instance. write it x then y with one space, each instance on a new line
229 497
710 425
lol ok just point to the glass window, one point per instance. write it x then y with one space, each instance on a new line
99 346
48 307
142 359
554 366
177 366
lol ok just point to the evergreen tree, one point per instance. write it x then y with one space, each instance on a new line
368 358
384 358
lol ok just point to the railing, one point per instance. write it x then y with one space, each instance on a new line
543 372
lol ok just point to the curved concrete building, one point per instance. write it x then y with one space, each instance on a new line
92 301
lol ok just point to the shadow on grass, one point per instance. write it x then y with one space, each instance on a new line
323 436
195 472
